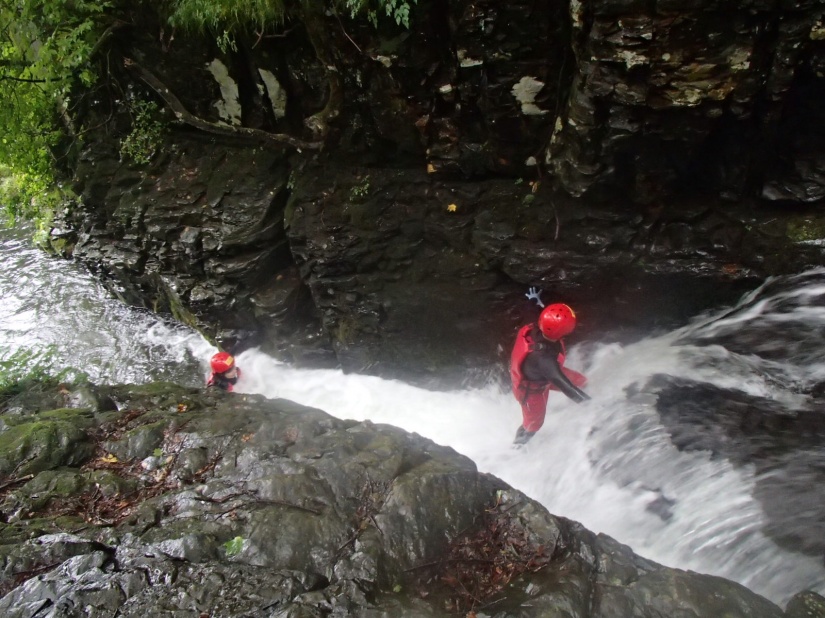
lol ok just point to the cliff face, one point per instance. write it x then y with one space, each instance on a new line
382 198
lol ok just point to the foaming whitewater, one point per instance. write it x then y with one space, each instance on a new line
54 315
608 463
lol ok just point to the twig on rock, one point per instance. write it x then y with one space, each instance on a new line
16 481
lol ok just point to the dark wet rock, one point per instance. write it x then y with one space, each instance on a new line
33 444
267 508
784 446
661 506
806 605
605 152
138 443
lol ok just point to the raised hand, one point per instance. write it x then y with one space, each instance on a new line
535 294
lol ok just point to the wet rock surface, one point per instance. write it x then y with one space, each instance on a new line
783 445
254 507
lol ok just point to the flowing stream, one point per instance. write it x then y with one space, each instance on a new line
608 463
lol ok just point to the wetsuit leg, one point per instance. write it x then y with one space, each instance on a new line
533 409
522 436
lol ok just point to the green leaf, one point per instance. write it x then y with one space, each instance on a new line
234 546
45 51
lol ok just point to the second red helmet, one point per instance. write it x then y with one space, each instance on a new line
556 321
222 362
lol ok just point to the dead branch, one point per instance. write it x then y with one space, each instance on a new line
349 38
281 35
256 500
26 80
182 114
17 481
290 505
316 29
439 563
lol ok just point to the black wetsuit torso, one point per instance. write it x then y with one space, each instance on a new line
542 365
221 381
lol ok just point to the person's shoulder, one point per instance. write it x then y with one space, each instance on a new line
545 347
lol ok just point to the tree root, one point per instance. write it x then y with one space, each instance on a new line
182 114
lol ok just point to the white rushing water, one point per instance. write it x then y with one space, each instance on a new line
607 463
52 313
604 463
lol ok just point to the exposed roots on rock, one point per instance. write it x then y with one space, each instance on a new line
98 509
481 563
373 496
279 140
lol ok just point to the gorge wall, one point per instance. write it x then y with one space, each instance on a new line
381 198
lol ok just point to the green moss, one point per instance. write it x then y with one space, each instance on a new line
148 130
153 389
42 445
346 331
360 191
140 442
168 298
61 483
162 400
110 484
60 246
181 313
12 535
109 416
805 229
77 416
211 533
47 485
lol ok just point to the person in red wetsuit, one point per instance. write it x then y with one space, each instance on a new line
225 372
537 367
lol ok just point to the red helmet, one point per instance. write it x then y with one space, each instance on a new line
556 321
222 362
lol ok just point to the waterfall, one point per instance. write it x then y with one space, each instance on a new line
608 463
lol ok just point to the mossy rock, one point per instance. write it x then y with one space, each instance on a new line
44 487
806 229
22 558
35 446
807 604
153 389
164 397
61 246
196 540
110 484
25 529
138 443
77 416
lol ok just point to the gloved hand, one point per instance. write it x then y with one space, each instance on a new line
534 294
